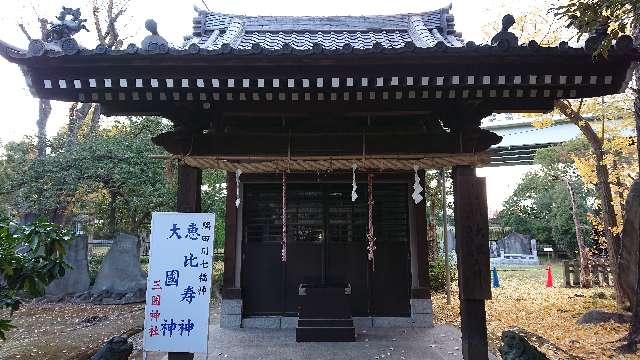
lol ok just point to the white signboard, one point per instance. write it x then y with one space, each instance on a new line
179 282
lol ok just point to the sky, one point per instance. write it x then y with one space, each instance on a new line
174 20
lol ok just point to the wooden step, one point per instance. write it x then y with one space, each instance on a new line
325 334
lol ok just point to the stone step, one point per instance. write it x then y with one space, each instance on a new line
325 334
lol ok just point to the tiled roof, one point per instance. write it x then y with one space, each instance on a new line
213 30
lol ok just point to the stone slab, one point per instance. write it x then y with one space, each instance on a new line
439 343
288 322
390 322
421 306
262 322
363 322
231 307
230 321
422 320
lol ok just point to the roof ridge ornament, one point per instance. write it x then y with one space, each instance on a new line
505 39
154 43
59 36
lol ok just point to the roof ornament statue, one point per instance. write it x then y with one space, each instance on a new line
505 39
154 43
59 35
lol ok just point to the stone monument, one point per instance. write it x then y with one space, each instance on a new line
514 249
76 278
121 279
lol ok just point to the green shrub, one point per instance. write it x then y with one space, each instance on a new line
95 261
437 273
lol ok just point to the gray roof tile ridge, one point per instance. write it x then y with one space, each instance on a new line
213 20
419 33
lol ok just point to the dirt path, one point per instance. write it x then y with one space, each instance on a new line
67 331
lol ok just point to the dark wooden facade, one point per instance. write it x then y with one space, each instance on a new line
326 244
266 91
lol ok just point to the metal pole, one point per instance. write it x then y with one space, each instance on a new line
447 274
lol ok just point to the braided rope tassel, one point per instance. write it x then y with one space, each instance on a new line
284 217
371 238
238 173
354 186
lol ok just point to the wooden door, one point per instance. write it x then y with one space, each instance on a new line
326 243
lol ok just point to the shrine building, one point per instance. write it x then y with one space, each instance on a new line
328 120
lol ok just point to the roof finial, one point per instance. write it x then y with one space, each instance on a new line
59 35
505 39
154 43
507 22
151 26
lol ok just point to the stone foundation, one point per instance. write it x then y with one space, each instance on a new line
366 322
422 313
231 318
231 313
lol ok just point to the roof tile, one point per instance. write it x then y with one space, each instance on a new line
331 33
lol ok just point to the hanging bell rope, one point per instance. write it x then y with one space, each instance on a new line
417 188
371 238
238 173
284 217
354 186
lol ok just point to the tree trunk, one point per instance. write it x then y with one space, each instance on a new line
43 118
431 229
112 213
585 268
76 117
95 119
635 32
630 256
631 226
609 219
620 187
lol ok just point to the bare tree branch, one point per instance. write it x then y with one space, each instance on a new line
96 22
24 31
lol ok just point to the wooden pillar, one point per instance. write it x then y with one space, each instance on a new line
189 200
472 248
230 289
423 289
189 192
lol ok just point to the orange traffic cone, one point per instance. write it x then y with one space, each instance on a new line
549 277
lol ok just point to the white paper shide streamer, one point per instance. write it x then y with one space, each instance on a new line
238 173
354 195
417 188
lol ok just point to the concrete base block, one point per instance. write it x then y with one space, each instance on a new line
289 322
262 322
231 307
422 320
421 306
363 322
230 321
385 322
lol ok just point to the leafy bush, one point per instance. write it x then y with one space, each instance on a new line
437 273
95 261
31 257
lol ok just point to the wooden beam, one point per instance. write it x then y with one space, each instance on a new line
472 248
229 288
189 189
284 144
420 223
